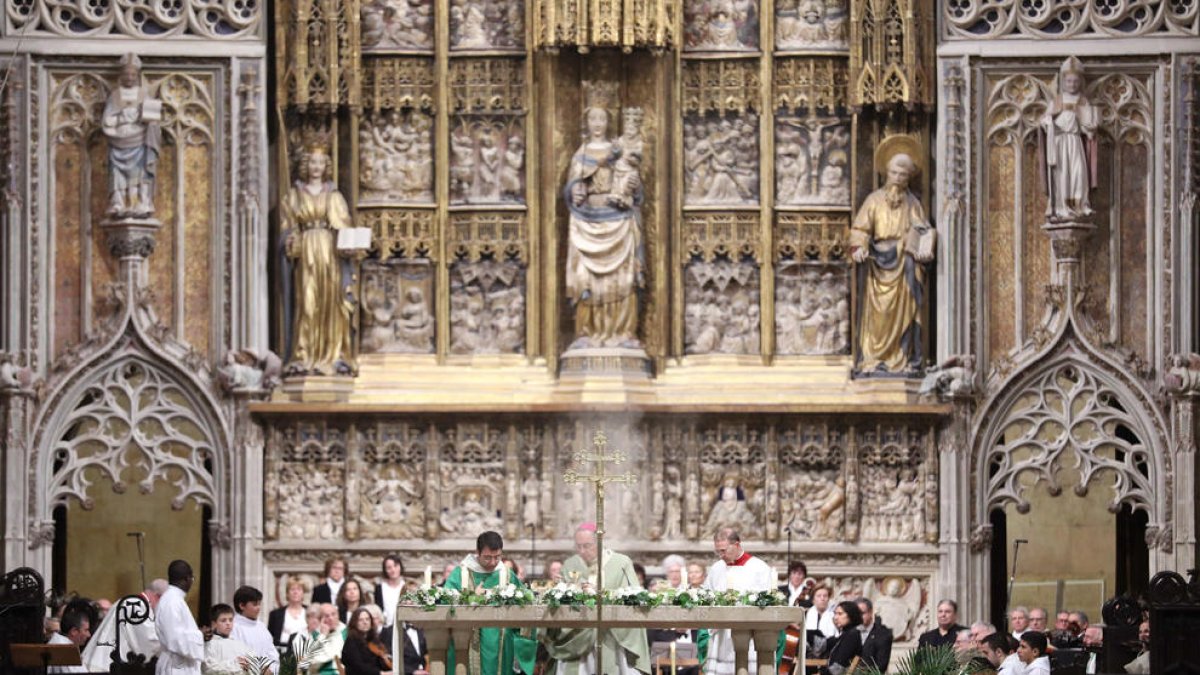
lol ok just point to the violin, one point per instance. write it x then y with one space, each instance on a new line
382 652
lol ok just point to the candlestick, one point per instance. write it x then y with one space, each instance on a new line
428 576
673 671
503 574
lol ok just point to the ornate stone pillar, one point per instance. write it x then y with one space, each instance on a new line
1182 384
16 401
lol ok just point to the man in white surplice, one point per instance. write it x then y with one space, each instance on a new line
736 570
181 641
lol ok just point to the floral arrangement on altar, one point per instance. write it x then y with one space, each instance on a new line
570 595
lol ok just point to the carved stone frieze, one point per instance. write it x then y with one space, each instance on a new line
398 82
487 307
487 24
225 20
721 314
397 307
894 483
708 236
811 24
501 235
812 308
646 24
720 25
720 86
487 85
407 233
395 158
810 83
487 160
811 237
891 53
812 161
393 25
978 20
721 160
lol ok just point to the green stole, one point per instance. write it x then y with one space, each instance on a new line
571 646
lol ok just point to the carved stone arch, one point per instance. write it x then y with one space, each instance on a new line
1072 405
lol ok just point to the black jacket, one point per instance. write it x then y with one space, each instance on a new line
786 589
360 660
322 593
275 625
934 638
877 647
844 648
414 659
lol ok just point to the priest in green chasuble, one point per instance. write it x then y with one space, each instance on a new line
624 650
494 650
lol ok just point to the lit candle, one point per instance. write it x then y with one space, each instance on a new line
428 576
673 671
774 575
503 574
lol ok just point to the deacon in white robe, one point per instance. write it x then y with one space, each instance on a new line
181 640
736 570
139 639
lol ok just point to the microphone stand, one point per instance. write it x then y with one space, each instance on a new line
788 529
1013 576
532 550
141 549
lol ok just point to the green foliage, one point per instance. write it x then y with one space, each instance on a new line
927 661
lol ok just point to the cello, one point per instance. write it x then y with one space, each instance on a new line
793 635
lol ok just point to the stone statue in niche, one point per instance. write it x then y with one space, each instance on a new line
531 494
892 504
892 243
486 24
604 241
397 307
1069 129
810 24
812 161
397 24
730 508
721 160
722 308
812 309
487 308
720 25
673 498
487 162
897 603
131 122
395 157
470 514
311 215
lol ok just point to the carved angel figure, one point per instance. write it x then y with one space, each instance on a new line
897 604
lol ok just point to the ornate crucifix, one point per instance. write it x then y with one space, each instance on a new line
599 479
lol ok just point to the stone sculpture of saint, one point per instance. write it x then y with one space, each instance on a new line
604 259
312 213
892 242
1069 126
130 121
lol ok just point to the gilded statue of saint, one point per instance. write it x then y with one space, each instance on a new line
311 215
892 242
1069 126
604 241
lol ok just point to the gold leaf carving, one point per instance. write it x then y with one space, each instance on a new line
811 83
497 235
487 85
711 235
398 82
720 85
811 236
407 233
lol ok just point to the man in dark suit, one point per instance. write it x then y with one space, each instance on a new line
876 637
947 628
415 649
336 572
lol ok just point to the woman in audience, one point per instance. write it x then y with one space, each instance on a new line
843 649
288 620
389 588
1032 653
820 615
349 599
363 654
696 575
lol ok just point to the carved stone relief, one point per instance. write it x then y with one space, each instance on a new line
390 25
811 24
812 161
893 484
813 485
899 603
487 161
721 159
977 20
487 24
732 459
306 496
397 307
812 308
395 157
487 308
721 314
392 488
720 25
223 20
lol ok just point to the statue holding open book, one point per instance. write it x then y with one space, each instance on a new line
892 243
131 122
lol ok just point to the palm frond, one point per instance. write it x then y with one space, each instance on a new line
927 661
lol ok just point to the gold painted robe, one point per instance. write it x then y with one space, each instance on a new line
892 283
321 323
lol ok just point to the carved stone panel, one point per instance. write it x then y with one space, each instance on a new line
732 476
720 25
721 160
307 496
811 24
487 160
391 478
812 308
812 480
397 25
487 24
812 161
395 158
721 314
893 484
397 307
487 307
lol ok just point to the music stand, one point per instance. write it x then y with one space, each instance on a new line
44 655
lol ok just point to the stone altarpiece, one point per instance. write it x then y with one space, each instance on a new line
452 126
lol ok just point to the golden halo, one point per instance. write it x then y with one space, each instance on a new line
896 145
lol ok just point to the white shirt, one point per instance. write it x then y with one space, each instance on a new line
335 587
182 642
388 598
292 625
57 638
1040 666
257 637
752 575
221 655
1011 665
822 621
140 639
794 592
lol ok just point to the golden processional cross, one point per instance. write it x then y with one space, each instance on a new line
599 480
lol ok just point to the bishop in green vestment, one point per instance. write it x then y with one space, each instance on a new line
494 650
624 650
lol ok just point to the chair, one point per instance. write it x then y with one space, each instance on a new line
853 665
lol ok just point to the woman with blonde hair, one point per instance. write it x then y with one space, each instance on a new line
288 620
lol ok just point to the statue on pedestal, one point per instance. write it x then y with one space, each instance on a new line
891 241
130 121
310 217
1069 126
604 242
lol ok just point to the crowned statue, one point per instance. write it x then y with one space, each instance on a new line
131 123
604 241
1069 128
892 242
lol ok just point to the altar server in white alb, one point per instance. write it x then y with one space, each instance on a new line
736 570
181 641
225 655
